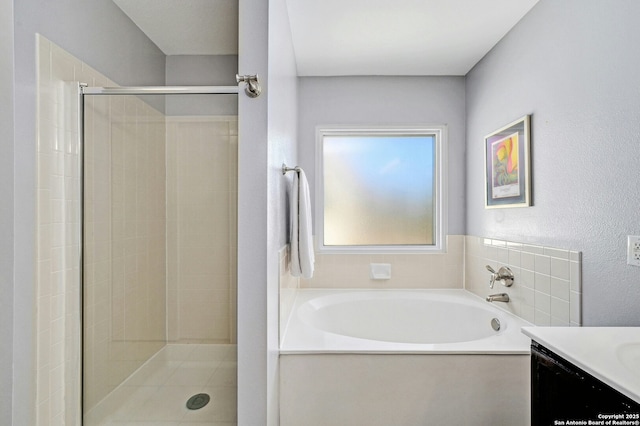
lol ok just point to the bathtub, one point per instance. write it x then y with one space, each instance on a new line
402 357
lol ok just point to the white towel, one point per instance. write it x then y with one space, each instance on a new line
302 257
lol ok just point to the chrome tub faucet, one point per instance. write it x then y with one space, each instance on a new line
498 297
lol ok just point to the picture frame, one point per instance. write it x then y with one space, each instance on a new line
507 165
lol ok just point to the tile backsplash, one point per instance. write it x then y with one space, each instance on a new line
433 270
546 291
547 287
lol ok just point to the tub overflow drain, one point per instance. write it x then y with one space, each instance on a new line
198 401
495 324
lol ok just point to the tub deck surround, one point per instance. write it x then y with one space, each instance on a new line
288 287
399 321
404 390
473 376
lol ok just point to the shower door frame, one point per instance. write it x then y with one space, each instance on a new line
252 90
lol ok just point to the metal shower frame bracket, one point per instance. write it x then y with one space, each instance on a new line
252 88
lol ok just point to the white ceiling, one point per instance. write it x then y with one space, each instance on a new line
344 37
400 37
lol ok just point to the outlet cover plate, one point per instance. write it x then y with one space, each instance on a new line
633 250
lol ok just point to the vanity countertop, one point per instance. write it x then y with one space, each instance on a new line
611 354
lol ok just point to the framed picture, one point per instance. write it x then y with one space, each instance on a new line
506 165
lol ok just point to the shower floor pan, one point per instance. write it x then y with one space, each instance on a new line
158 392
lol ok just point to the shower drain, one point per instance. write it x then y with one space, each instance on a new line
198 401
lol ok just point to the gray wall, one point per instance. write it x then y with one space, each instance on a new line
388 101
573 65
202 70
98 33
252 217
6 209
267 135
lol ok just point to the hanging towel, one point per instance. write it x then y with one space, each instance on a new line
302 257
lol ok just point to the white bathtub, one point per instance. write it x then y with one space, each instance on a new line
402 357
394 321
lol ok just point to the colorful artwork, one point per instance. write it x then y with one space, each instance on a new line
504 168
507 171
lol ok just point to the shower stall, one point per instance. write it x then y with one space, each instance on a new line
159 251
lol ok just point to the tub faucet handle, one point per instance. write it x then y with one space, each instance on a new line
504 276
492 278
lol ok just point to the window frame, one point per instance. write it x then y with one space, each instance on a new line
440 196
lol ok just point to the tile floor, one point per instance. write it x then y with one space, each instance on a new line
157 393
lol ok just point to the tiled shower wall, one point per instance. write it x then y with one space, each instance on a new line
202 237
58 235
124 265
125 226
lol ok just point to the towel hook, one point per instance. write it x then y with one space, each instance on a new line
286 169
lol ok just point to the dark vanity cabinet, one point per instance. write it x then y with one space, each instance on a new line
563 394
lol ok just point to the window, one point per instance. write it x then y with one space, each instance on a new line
380 190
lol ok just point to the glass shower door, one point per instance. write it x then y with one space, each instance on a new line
159 292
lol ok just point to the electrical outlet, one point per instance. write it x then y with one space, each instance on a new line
633 250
